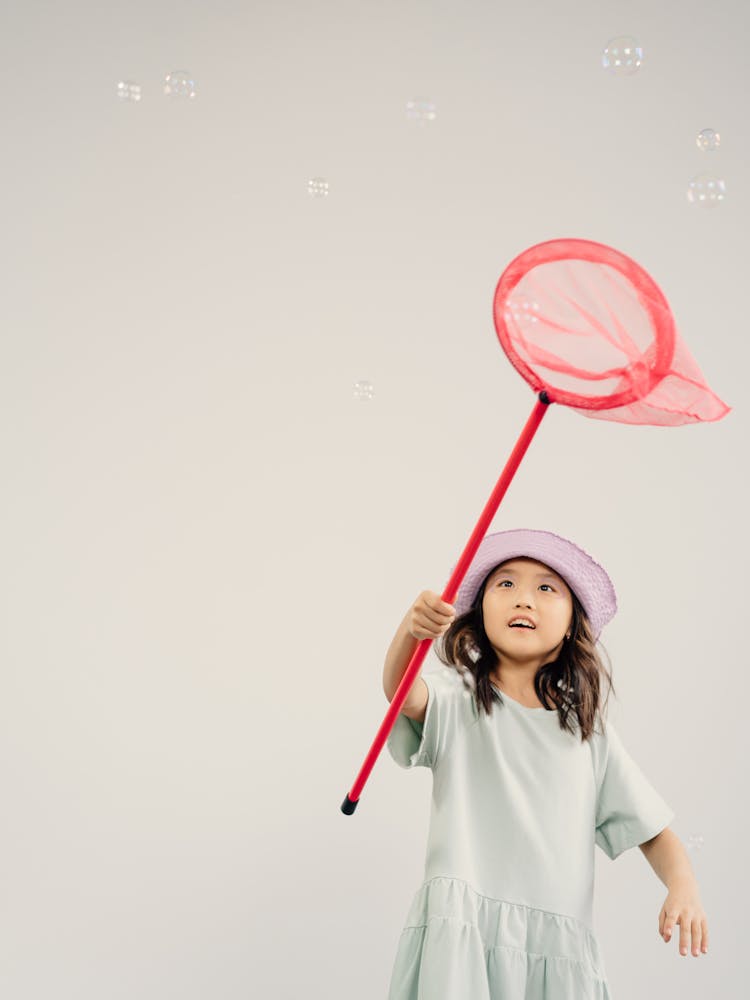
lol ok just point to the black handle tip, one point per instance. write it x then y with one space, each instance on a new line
348 806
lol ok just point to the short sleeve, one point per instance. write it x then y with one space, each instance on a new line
420 744
629 810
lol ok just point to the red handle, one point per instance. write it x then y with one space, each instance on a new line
350 802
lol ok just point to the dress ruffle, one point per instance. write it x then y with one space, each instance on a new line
459 945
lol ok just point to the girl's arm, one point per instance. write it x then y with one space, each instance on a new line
668 858
397 660
683 906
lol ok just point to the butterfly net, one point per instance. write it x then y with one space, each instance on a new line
590 327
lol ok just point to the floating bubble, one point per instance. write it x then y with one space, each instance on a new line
363 391
522 311
622 55
695 842
460 677
469 681
128 90
708 140
421 110
706 189
179 84
317 187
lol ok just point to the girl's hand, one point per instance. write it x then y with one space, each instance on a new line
683 906
430 616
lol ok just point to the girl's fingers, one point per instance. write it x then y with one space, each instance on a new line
697 929
697 936
684 934
437 620
693 933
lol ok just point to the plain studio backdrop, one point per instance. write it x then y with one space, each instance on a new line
208 540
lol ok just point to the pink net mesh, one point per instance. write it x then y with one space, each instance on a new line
589 325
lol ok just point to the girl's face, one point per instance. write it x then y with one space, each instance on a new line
527 588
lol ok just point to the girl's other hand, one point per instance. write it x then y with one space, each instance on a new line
683 906
430 616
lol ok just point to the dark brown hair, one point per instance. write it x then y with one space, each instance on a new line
571 683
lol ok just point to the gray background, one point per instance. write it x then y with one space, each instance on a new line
208 541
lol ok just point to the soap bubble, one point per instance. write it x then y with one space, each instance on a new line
706 189
468 680
421 110
461 677
317 187
695 842
522 311
363 391
622 55
127 90
708 140
179 84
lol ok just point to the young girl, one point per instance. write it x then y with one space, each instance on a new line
524 783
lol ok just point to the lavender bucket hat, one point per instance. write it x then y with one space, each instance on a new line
585 577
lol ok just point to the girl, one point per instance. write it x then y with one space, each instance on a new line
524 783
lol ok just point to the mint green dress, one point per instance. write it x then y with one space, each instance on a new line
504 911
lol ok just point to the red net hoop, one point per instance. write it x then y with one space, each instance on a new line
590 327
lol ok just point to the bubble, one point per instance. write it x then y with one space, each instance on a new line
708 140
317 187
469 680
128 90
706 189
622 55
522 311
460 677
363 391
179 84
695 842
421 110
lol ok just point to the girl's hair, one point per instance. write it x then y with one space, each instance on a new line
571 683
